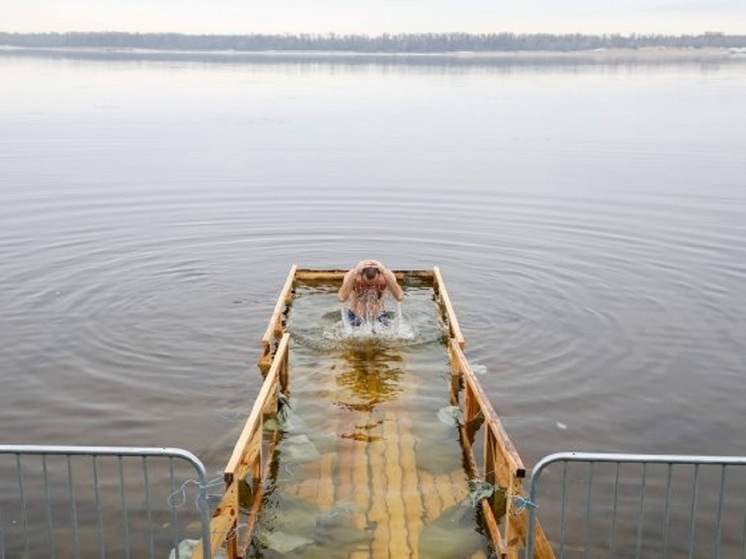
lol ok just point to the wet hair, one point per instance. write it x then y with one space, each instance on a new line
370 272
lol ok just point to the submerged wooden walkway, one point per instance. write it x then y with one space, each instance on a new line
371 475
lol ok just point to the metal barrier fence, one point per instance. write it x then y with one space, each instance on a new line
637 505
88 501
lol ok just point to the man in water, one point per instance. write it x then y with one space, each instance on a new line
364 286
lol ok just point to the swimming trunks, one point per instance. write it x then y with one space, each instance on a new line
384 318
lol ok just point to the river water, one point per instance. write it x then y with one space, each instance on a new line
588 219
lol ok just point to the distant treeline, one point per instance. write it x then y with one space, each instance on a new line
386 43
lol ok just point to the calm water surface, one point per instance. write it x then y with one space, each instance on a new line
590 222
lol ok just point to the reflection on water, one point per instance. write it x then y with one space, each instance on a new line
370 375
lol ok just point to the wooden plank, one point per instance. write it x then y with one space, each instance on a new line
455 329
361 486
325 495
413 506
489 456
460 484
398 546
378 513
329 490
430 497
343 478
513 488
445 489
493 529
306 275
308 489
252 455
252 423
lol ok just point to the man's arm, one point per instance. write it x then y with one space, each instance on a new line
392 284
348 284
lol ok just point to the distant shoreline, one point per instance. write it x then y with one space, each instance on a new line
600 56
450 44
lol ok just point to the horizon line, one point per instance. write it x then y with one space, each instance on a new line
329 34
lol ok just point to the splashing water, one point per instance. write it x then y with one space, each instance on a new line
317 320
392 328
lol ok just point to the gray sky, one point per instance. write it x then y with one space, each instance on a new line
375 16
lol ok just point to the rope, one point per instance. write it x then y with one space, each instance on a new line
178 498
521 503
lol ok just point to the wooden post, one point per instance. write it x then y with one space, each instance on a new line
285 373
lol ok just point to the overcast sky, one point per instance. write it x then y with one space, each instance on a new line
376 16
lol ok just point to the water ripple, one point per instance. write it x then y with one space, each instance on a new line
597 270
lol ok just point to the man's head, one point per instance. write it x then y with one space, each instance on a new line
370 273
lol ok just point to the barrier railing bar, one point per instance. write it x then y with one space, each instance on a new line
641 514
50 521
612 537
718 530
95 452
24 510
695 461
125 523
2 535
692 517
613 457
148 507
174 511
99 512
73 508
587 527
667 510
563 521
743 538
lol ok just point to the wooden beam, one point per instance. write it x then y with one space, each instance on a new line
493 529
319 276
453 326
308 276
251 456
253 422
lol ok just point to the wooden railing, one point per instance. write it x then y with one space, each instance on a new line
502 467
506 521
249 463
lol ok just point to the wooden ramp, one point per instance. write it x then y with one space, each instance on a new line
371 447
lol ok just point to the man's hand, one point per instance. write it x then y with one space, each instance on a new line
368 264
